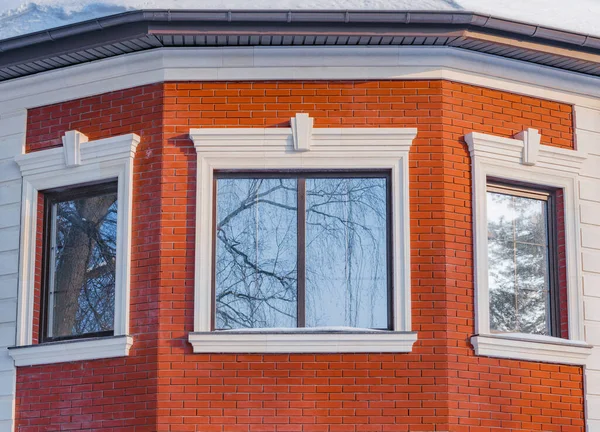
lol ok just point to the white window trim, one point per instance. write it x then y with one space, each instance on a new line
524 159
77 162
302 147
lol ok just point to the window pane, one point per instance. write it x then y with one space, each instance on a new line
518 264
256 253
346 252
82 295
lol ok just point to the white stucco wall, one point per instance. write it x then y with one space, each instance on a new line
588 139
12 141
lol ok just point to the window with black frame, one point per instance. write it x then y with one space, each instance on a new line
80 235
522 260
302 249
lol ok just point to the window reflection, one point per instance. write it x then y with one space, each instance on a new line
518 250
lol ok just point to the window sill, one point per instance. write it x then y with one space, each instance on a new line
72 350
520 346
319 340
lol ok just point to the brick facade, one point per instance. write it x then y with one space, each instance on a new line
440 386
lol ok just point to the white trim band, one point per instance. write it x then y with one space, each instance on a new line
73 350
527 347
303 342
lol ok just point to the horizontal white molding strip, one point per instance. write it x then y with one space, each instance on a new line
73 350
299 63
550 350
307 342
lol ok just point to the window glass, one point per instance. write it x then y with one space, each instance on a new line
518 261
301 250
256 253
81 288
346 267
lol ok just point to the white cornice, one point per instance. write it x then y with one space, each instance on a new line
306 342
299 63
513 151
561 351
68 351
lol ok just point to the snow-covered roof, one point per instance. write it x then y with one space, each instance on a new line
18 17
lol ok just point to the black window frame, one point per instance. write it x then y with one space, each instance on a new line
302 176
52 197
534 191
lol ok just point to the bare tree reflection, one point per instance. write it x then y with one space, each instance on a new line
518 264
256 265
84 283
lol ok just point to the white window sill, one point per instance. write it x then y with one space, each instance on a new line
302 340
520 346
72 350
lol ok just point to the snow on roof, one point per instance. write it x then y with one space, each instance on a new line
18 17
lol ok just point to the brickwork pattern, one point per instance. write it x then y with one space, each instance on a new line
441 386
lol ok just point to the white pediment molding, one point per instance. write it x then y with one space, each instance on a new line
524 149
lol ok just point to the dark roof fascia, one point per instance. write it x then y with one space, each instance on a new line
146 23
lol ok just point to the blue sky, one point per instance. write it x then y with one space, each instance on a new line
24 16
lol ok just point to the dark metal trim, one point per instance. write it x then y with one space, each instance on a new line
52 197
144 29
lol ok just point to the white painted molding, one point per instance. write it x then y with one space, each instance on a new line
502 158
524 347
74 350
72 141
101 160
302 126
302 342
273 148
531 145
515 151
300 63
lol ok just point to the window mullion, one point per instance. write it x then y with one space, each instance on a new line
301 247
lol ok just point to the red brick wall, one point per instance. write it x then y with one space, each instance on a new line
441 386
112 394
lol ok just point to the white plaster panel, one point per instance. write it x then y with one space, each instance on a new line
8 311
591 167
10 239
591 261
10 192
587 119
13 123
591 284
10 215
11 145
9 170
9 262
590 236
589 190
592 381
6 362
591 306
588 141
592 334
7 334
6 378
590 213
7 403
593 409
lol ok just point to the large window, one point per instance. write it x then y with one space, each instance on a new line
522 260
80 233
302 249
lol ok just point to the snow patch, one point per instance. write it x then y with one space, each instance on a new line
19 17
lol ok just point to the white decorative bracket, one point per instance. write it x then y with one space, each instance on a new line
531 145
72 141
302 126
